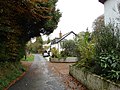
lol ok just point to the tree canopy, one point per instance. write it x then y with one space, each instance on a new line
69 48
98 23
36 47
31 17
21 20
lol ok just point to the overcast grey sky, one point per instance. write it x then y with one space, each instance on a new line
77 15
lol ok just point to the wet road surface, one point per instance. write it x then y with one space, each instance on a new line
39 77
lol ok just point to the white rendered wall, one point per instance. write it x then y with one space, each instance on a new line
111 12
57 46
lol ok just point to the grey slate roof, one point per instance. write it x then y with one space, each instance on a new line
57 40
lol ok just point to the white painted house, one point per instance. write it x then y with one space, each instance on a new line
111 11
56 43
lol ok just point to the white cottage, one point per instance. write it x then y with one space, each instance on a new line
58 41
111 11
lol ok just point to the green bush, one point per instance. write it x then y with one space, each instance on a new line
110 65
107 39
55 53
100 54
85 46
69 48
107 47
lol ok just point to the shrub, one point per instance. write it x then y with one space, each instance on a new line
69 48
85 46
110 64
107 40
55 52
101 53
107 47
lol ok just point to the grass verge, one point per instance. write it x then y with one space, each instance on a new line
9 71
28 58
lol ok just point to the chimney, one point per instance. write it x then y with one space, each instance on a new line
60 35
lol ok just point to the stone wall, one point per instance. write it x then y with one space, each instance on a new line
68 59
92 81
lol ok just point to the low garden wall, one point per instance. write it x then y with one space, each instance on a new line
68 59
92 81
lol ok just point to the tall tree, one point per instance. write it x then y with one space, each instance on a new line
36 47
98 23
21 20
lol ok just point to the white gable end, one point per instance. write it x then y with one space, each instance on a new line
111 12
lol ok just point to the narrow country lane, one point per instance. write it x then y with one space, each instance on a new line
39 77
